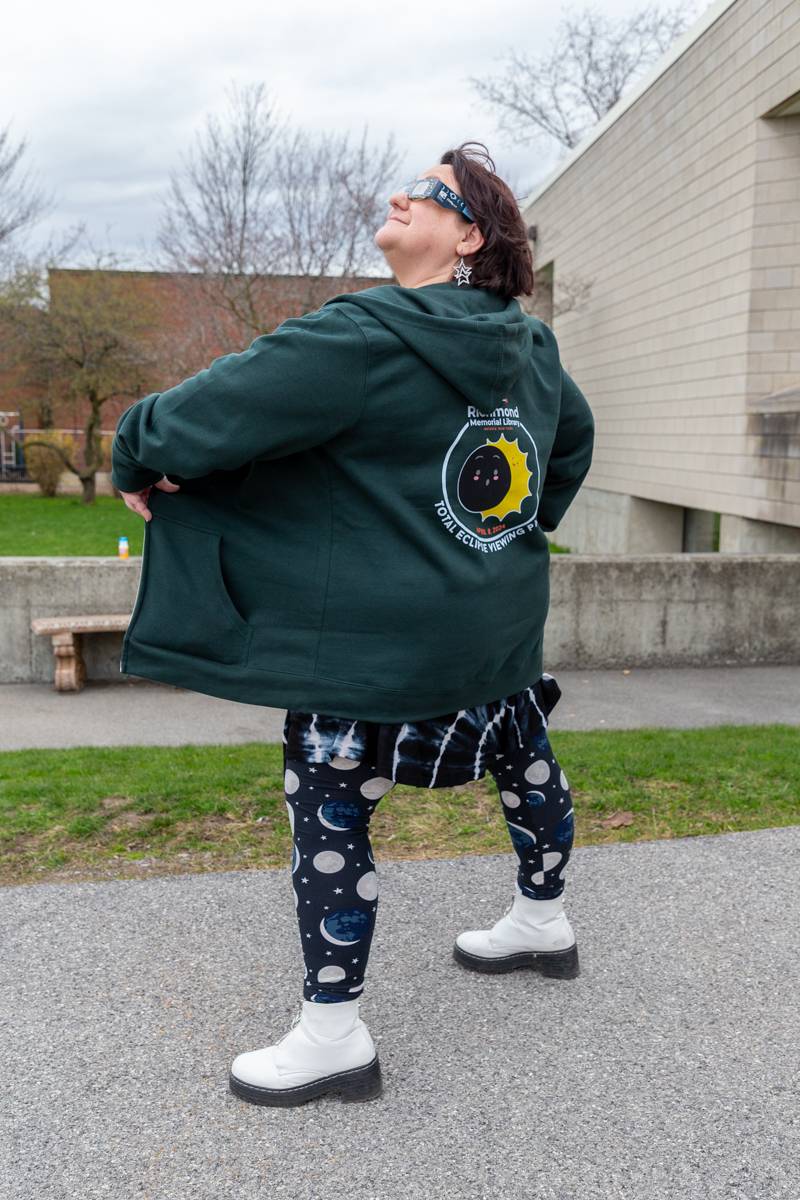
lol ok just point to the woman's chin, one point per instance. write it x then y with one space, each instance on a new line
389 230
387 248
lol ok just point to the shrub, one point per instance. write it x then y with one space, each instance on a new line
43 465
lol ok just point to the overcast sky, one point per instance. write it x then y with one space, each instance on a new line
108 96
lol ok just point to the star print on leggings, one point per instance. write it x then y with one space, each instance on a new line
330 805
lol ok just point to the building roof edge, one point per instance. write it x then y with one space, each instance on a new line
659 68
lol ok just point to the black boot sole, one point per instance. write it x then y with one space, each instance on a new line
360 1083
557 964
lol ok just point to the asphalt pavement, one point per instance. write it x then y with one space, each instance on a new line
667 1069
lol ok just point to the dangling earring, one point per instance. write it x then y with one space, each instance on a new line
462 272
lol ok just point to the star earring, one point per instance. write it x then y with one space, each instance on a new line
462 272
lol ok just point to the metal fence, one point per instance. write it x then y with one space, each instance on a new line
12 454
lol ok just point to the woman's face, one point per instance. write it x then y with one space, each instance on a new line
421 240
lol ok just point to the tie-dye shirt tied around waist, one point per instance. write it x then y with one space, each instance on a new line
435 752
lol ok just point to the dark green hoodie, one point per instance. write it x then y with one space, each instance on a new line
359 529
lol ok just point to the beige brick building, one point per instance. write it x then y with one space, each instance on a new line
675 228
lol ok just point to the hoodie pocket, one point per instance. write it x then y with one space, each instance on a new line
183 603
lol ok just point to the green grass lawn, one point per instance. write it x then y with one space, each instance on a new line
63 525
105 813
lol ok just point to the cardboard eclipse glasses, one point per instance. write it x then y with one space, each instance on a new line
432 188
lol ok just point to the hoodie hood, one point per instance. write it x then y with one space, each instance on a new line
474 338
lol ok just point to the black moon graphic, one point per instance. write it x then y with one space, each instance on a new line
484 479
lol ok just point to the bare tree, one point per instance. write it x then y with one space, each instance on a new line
79 334
21 202
254 200
217 219
589 65
331 201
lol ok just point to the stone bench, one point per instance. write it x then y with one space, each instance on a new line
70 670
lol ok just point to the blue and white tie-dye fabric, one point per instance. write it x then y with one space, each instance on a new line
436 752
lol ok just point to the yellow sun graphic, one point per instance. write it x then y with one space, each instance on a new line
520 479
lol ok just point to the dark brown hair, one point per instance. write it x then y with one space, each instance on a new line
504 262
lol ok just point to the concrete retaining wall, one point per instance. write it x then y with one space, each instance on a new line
605 610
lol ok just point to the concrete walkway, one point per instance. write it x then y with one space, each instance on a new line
140 713
667 1068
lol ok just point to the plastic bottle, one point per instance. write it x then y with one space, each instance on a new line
123 549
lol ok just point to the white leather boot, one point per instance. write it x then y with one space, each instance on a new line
532 933
328 1049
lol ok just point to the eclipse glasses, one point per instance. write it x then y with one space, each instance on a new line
432 188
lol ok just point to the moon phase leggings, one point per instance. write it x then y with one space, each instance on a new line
334 875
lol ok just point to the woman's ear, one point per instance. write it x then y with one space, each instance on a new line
473 239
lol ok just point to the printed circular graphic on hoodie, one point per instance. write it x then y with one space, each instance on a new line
490 480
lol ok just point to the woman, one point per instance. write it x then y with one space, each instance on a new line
354 529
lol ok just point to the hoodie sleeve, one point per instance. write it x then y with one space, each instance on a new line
570 457
289 390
